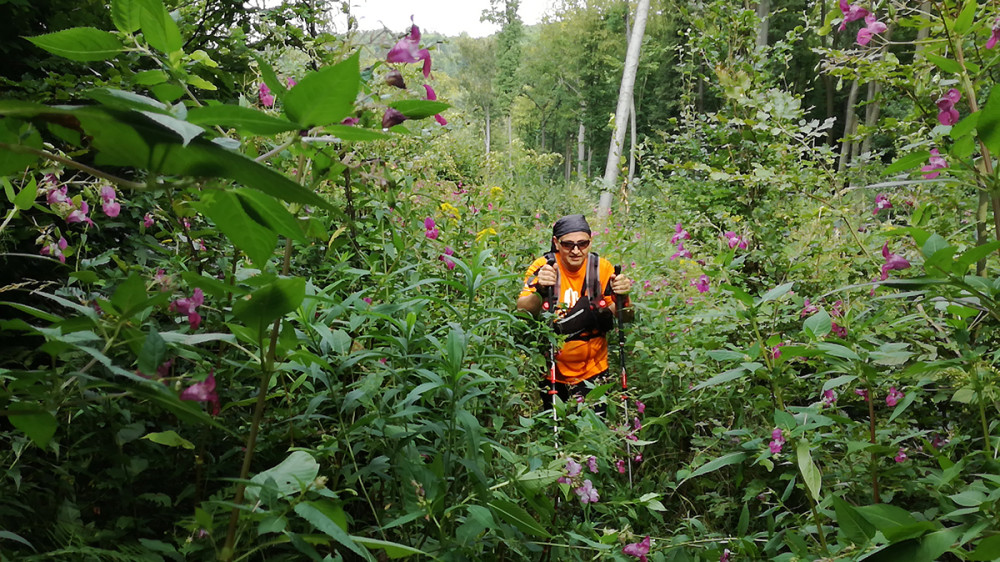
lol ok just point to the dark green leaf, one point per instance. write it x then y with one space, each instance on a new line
419 109
716 464
241 118
121 99
965 19
159 29
324 97
818 325
270 302
154 349
393 550
170 438
987 549
25 199
965 126
852 525
989 122
257 240
125 15
944 64
15 132
38 425
130 293
907 162
80 44
933 244
810 472
517 516
350 133
726 376
777 292
975 254
318 519
725 354
271 213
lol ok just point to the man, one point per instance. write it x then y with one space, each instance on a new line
583 290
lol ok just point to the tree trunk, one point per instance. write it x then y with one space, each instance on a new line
763 14
850 124
622 111
874 105
922 34
569 157
487 131
580 151
631 146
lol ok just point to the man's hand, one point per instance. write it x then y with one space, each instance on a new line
546 276
620 284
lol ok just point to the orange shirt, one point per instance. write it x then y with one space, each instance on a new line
578 360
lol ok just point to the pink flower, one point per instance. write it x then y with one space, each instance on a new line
946 105
881 203
807 309
573 468
938 441
777 441
444 257
407 50
203 392
900 455
701 284
432 96
893 397
735 240
725 555
587 493
835 310
994 35
872 28
392 117
432 234
57 195
55 249
350 121
892 262
636 424
838 330
829 397
80 215
592 465
111 209
640 407
680 234
862 392
429 223
638 549
620 465
265 96
368 300
681 252
290 82
189 306
937 162
851 13
147 221
776 350
638 458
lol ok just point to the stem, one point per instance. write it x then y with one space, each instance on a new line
871 427
121 182
982 409
819 527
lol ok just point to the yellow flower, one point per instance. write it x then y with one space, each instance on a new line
484 233
495 191
737 218
449 209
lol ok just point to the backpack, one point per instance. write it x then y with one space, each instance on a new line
589 317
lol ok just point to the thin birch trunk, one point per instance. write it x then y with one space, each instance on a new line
631 147
580 151
487 131
850 123
763 14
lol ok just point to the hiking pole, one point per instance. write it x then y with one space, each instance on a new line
621 360
546 305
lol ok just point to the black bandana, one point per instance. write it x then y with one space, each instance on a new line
568 224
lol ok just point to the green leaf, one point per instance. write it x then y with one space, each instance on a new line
777 292
988 127
392 549
944 64
17 133
886 517
315 516
82 44
716 464
987 549
270 302
961 131
258 241
170 439
517 516
902 406
25 199
150 77
154 349
271 213
536 480
852 525
725 354
907 162
123 99
159 29
351 133
290 476
965 19
324 97
933 244
810 473
129 294
818 325
975 254
731 374
125 15
837 350
38 425
241 118
419 109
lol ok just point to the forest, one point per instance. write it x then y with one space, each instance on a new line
258 277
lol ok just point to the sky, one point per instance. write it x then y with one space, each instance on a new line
449 17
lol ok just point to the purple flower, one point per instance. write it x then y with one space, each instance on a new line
892 262
900 455
80 215
701 284
429 223
851 13
835 310
290 82
946 105
189 306
881 203
587 493
573 468
57 195
592 465
55 249
636 424
735 240
620 465
893 397
638 549
681 252
444 257
994 35
265 96
639 406
829 397
392 118
395 78
777 441
776 350
638 458
872 28
407 50
350 121
938 441
680 234
203 392
807 309
432 96
432 234
838 330
862 392
147 221
937 162
725 555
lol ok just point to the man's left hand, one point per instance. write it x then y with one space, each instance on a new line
621 284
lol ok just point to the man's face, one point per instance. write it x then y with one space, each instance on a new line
573 248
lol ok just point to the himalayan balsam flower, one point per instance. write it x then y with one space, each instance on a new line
592 465
189 306
893 397
892 262
432 96
776 350
872 28
994 35
147 221
829 397
290 82
777 441
838 330
350 121
80 215
639 406
638 549
108 204
587 493
392 117
444 257
937 162
851 13
808 308
203 392
679 234
395 78
432 234
620 466
407 50
55 249
57 195
946 105
725 555
265 95
701 284
735 240
881 203
573 468
862 392
900 455
681 252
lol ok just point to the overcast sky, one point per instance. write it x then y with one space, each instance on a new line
449 17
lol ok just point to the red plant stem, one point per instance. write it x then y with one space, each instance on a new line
871 428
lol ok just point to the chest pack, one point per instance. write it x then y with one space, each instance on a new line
589 317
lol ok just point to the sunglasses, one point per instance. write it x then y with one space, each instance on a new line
568 245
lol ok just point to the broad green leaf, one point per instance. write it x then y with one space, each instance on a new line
241 118
159 29
777 292
907 162
82 44
15 132
186 131
130 293
324 97
837 350
393 550
123 99
270 302
154 349
419 109
716 464
961 129
456 346
852 525
200 83
212 286
125 15
987 549
731 374
25 199
8 535
150 77
725 354
902 406
536 480
257 240
169 438
517 516
818 325
933 244
38 425
784 420
975 254
887 517
988 127
965 19
944 64
318 519
351 133
271 213
810 473
290 476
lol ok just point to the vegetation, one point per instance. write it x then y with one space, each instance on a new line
258 284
